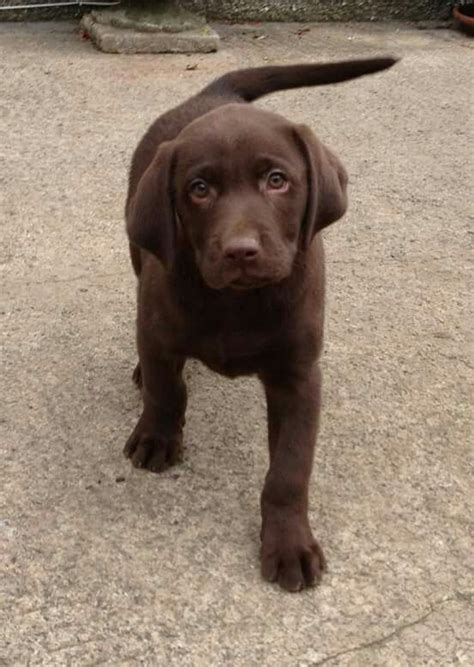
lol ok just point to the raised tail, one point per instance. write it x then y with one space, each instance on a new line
250 84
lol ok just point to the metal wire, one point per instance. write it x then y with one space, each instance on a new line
62 3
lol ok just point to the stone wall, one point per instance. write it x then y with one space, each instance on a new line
268 10
321 10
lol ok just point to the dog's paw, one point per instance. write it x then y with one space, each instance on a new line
291 556
152 451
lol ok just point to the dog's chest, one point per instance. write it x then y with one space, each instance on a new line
233 335
235 353
234 342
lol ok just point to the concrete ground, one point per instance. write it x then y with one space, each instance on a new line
103 564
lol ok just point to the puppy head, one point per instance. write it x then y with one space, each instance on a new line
245 188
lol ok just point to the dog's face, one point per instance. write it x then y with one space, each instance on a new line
245 188
240 196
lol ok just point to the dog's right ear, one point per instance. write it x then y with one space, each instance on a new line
150 213
327 184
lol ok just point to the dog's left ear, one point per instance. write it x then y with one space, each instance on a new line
327 184
150 214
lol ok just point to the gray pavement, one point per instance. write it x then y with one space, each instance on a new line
103 564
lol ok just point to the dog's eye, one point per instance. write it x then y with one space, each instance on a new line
199 188
277 180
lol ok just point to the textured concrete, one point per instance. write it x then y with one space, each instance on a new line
103 564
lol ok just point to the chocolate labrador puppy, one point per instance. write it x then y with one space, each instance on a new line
225 205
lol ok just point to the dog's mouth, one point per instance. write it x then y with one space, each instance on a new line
247 283
247 278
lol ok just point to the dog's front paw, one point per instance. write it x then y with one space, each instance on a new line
148 448
289 553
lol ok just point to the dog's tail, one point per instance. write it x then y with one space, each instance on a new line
250 84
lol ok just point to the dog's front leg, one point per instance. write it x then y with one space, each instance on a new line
156 441
289 552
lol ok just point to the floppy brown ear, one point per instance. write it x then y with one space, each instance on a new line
327 185
150 214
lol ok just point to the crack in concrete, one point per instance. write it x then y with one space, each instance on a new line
409 259
451 628
381 641
72 645
91 277
455 357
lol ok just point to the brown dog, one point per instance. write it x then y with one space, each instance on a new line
224 208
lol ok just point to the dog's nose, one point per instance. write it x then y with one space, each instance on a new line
241 250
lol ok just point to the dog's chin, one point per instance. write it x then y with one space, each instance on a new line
241 282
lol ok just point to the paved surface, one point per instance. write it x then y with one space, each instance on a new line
108 565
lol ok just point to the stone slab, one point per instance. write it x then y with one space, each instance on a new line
112 39
159 17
